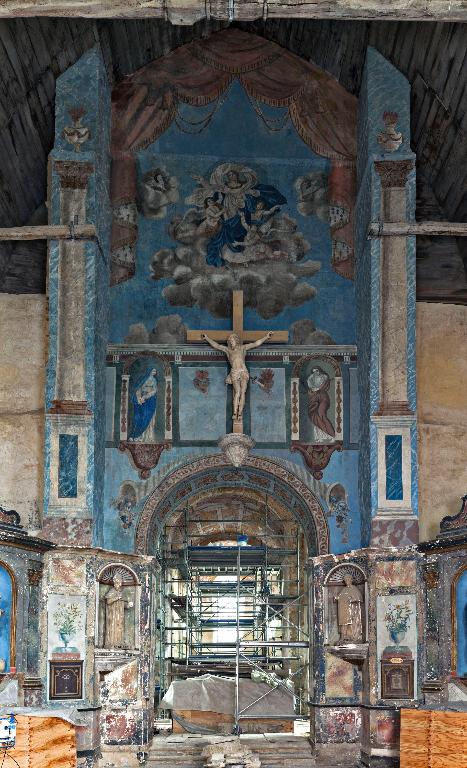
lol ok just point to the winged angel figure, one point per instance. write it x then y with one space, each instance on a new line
240 219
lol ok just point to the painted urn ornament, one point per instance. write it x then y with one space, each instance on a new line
390 139
76 134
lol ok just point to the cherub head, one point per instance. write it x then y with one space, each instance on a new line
232 179
233 341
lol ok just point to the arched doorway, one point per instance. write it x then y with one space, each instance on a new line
232 545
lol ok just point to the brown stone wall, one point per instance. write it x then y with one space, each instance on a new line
22 373
442 411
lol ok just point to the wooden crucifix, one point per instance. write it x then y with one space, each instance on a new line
235 350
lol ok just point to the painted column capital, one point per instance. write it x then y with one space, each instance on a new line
34 576
394 173
73 175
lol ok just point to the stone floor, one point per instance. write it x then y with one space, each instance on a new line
275 750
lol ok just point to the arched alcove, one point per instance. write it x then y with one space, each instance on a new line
260 474
7 618
459 623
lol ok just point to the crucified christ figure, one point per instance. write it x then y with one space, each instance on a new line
238 376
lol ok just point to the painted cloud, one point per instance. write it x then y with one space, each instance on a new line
235 236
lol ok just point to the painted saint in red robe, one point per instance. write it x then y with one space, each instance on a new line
318 405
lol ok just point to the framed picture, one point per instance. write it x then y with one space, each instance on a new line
397 679
66 680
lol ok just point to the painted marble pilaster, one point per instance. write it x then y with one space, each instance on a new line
34 581
77 285
386 296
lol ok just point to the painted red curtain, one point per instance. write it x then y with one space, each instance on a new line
145 104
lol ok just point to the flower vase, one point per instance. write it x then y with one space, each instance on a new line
65 638
397 635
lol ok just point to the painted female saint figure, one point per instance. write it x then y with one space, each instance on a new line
318 405
238 376
236 201
115 605
349 612
144 401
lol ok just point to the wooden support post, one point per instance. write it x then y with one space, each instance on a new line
50 232
428 228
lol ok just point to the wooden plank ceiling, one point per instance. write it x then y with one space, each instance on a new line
190 11
433 55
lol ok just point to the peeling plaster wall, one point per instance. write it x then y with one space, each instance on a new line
442 404
22 366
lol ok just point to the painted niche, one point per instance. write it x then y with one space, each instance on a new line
345 606
459 617
7 619
118 608
320 401
143 401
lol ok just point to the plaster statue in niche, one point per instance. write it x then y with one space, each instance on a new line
349 612
117 598
319 402
115 605
238 376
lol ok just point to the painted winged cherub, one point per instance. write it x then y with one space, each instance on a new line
238 376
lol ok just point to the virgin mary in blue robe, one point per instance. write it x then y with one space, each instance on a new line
144 401
232 232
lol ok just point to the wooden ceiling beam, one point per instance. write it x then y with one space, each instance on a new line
187 12
49 232
427 228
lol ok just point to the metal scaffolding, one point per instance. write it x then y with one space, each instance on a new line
233 609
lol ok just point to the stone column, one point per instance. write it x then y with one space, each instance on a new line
386 304
393 290
394 420
70 385
388 439
78 280
33 693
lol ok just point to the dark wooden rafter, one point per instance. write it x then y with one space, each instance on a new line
187 12
35 51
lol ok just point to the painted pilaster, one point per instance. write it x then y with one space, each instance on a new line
386 295
77 290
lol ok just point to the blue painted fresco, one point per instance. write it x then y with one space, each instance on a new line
6 604
84 87
202 403
275 161
317 402
384 90
146 400
461 618
267 398
110 389
68 466
354 406
393 459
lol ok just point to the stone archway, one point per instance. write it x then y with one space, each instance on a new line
209 471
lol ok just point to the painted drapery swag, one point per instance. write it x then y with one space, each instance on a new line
145 104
